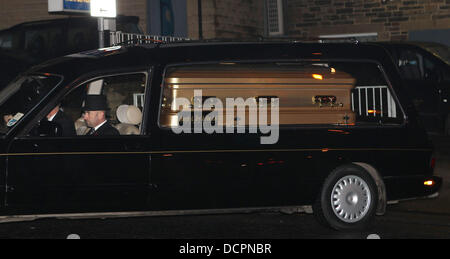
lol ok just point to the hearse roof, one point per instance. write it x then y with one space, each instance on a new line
140 56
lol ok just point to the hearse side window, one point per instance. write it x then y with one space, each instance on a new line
18 98
435 72
410 64
371 99
125 100
309 93
414 65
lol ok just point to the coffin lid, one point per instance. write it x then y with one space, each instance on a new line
241 74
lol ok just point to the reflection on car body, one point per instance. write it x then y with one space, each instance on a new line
348 139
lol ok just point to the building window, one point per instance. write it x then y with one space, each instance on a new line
275 17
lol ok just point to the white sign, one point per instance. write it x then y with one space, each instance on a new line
68 6
103 8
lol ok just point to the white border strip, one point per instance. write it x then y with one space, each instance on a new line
349 35
112 215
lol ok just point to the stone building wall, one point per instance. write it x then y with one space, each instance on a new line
305 19
391 19
227 18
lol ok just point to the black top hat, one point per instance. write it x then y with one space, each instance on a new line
95 103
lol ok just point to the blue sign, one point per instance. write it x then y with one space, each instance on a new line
75 5
69 6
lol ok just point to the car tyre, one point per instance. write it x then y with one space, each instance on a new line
347 200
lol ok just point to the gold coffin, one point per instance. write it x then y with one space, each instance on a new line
307 95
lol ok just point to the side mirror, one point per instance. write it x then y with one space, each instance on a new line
48 129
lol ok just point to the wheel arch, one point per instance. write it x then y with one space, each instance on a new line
382 197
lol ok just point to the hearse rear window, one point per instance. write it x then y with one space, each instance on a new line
325 93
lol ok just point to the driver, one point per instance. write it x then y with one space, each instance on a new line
7 118
95 116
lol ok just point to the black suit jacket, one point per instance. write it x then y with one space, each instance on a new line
106 130
67 125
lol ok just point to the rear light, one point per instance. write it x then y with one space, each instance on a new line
429 183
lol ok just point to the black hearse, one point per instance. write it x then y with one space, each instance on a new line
346 139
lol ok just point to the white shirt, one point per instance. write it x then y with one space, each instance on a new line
51 118
99 125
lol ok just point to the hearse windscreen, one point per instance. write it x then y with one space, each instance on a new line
18 98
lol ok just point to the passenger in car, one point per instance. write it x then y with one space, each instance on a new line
59 117
7 118
4 122
95 116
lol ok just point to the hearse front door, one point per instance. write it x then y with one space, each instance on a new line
82 172
78 174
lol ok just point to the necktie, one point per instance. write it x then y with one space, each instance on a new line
91 132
